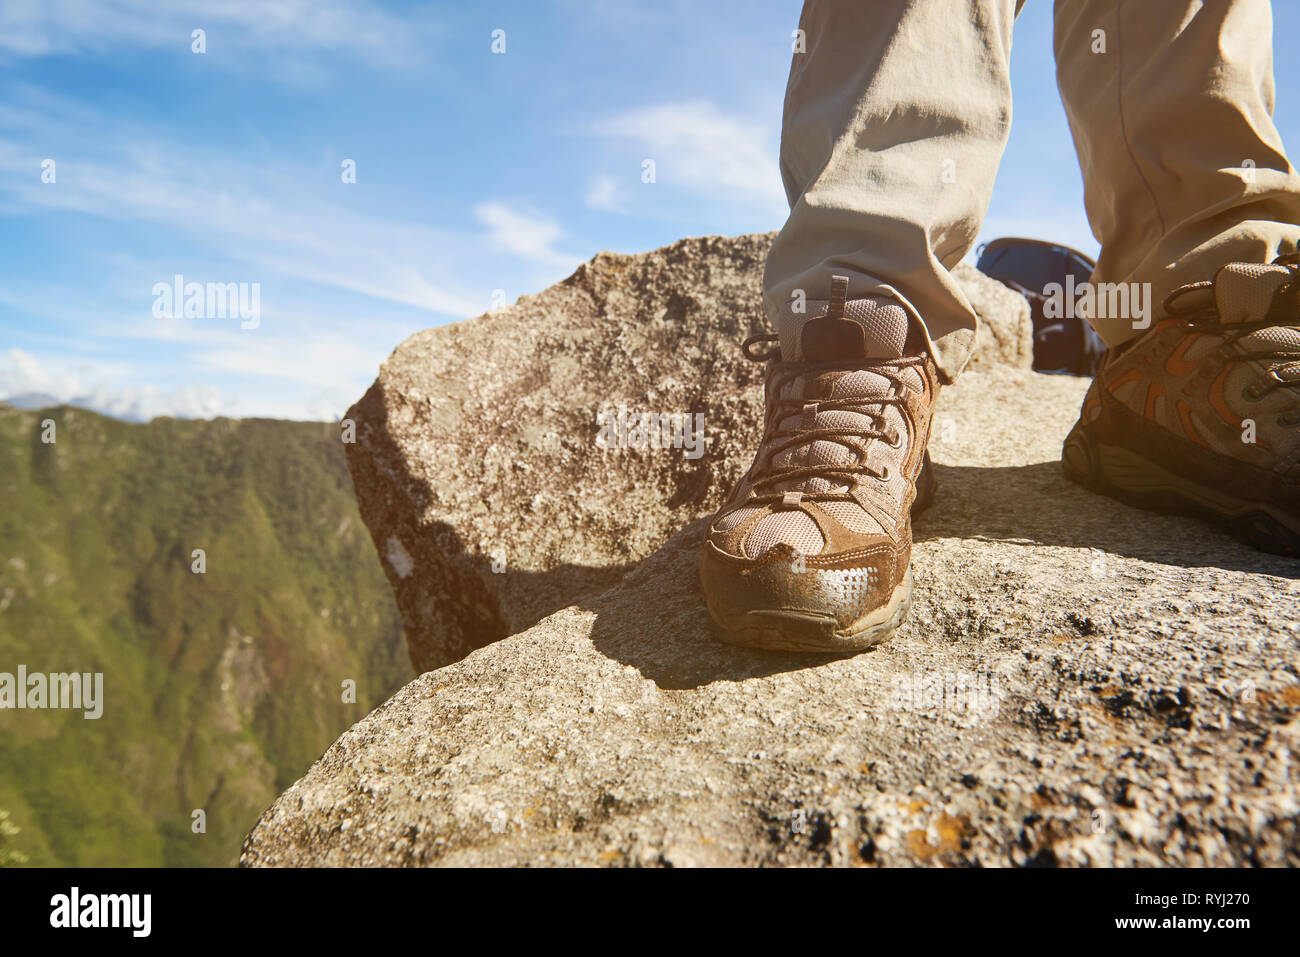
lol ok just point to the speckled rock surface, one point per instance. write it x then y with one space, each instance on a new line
478 463
1006 331
1079 683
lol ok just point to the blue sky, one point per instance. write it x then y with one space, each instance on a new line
479 176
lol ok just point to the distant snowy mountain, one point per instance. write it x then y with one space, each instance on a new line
32 400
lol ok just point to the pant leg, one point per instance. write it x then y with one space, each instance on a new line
1171 107
895 120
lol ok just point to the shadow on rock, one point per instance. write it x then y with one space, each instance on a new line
452 598
1037 505
656 622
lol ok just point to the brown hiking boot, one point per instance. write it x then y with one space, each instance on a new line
1201 414
812 551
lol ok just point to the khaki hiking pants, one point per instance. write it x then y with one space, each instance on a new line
897 112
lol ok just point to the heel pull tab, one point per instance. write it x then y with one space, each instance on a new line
832 336
839 294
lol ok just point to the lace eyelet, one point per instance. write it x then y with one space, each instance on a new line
1288 418
1251 394
884 474
895 440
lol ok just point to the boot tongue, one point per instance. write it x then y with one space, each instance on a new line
1247 292
874 327
813 393
1244 292
847 331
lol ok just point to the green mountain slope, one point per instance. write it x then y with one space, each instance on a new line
220 688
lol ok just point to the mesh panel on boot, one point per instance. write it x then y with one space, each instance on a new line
858 384
735 517
885 324
1276 339
852 517
1272 339
795 529
1243 292
912 379
861 382
883 319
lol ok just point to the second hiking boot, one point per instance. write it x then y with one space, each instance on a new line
812 550
1201 414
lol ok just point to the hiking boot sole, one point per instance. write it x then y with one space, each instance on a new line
800 630
1123 474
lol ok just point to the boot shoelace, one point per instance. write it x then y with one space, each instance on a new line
778 439
1284 311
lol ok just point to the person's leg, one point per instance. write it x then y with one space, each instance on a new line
896 115
1197 405
1171 107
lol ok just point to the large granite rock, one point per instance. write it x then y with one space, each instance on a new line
1079 682
1006 330
478 463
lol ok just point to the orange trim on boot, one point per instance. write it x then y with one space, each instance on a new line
1176 365
1124 379
1154 391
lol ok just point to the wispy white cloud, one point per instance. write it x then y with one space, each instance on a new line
697 146
235 221
36 383
235 29
527 236
262 216
284 377
603 194
21 372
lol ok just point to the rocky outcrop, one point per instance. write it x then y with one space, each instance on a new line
1079 682
487 460
1006 332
